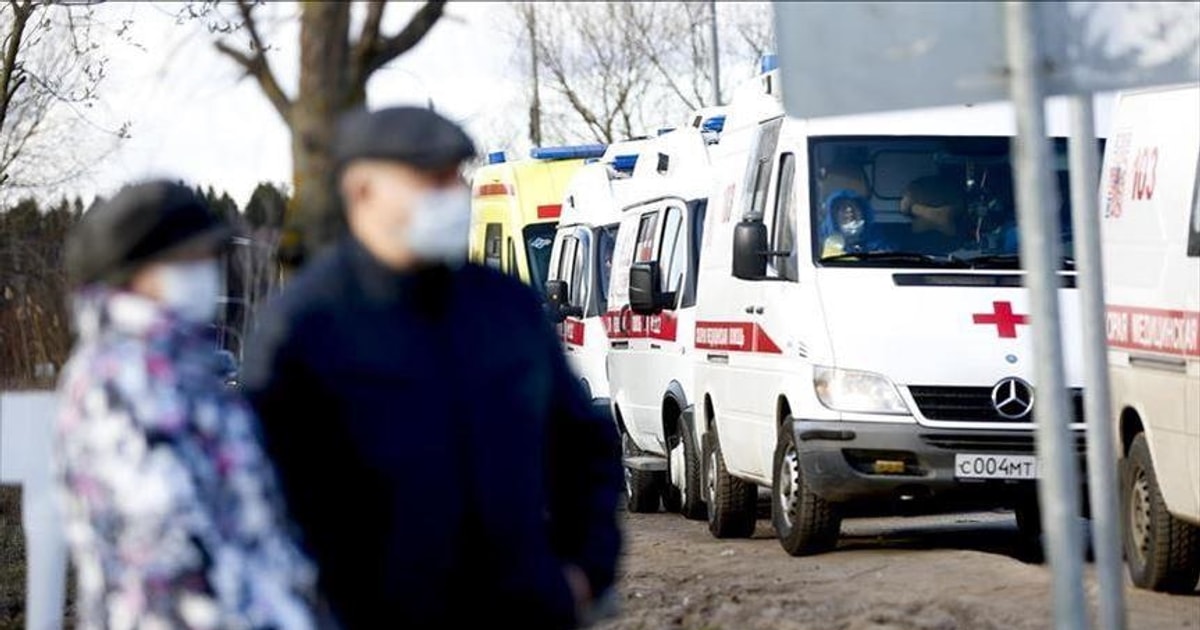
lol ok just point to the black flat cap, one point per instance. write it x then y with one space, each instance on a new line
412 135
142 223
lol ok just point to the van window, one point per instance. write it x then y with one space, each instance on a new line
565 256
512 259
671 255
578 272
623 254
783 228
699 209
493 240
539 238
645 237
928 202
606 241
1194 235
758 177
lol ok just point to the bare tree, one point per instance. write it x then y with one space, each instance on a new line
617 70
335 65
51 69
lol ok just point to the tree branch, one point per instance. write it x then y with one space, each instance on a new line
418 27
21 13
256 65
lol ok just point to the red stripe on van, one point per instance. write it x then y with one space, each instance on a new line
1154 330
552 211
572 331
487 190
625 324
735 336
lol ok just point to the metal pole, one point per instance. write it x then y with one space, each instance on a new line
1102 482
1058 487
716 56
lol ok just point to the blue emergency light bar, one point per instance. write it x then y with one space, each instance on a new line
768 63
569 152
624 163
716 123
496 157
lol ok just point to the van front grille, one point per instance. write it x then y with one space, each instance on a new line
1014 443
972 404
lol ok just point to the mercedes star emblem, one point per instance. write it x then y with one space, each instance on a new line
1013 398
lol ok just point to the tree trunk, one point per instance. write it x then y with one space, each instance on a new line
315 218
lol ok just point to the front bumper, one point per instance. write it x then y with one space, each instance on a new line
836 458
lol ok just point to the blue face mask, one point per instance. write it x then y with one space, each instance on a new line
439 229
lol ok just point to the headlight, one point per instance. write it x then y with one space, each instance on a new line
857 392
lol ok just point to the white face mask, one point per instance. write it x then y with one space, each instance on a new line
440 226
853 228
191 289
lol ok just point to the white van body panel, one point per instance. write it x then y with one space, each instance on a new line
1149 219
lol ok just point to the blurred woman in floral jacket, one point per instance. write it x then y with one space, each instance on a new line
173 515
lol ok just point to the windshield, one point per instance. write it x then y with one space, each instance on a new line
606 241
539 238
900 202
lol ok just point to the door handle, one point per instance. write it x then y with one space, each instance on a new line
619 345
718 358
655 346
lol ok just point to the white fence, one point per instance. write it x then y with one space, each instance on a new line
26 433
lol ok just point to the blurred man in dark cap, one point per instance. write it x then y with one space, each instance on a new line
442 460
173 514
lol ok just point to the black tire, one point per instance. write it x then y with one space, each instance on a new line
641 486
693 496
805 523
732 502
1028 513
1163 552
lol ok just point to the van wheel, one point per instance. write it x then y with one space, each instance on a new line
1028 513
731 501
672 494
1163 552
641 486
693 489
805 523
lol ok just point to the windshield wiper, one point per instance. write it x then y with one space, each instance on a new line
899 257
992 261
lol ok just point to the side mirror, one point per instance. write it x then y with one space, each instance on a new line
645 289
557 298
750 250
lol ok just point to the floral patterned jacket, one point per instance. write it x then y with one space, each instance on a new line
173 515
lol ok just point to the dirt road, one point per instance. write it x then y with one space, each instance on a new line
928 573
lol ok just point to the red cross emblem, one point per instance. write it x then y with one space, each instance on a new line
1003 318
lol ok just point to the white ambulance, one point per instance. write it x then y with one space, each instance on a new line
1150 218
651 314
581 262
862 336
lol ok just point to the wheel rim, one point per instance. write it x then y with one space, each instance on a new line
710 481
789 481
1139 516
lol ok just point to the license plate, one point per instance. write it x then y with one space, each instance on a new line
968 466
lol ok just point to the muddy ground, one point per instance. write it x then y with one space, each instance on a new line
961 572
966 572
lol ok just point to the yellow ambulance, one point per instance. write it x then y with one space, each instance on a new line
515 207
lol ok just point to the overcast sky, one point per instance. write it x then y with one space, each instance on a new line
195 117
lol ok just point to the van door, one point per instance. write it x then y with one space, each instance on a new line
642 377
748 404
635 241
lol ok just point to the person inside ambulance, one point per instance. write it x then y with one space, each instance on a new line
848 225
444 464
936 205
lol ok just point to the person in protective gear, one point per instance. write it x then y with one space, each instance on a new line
443 461
171 507
849 225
